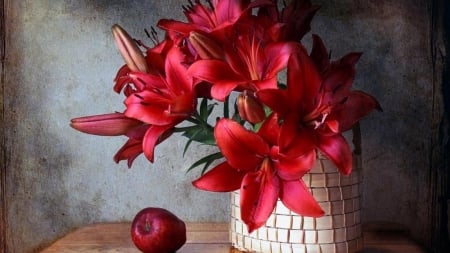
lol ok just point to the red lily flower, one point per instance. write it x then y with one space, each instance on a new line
141 136
289 24
155 61
249 64
115 124
138 74
135 61
216 19
144 138
255 164
338 77
161 101
320 107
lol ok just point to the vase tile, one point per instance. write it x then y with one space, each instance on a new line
296 236
313 248
309 223
283 235
286 248
324 222
297 222
262 233
310 236
283 221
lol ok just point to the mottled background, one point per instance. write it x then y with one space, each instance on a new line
61 61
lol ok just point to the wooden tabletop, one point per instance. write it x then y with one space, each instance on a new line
203 238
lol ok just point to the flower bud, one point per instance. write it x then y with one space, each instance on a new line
250 108
129 50
206 47
112 124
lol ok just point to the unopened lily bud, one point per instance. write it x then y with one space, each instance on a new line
111 124
206 47
133 56
250 108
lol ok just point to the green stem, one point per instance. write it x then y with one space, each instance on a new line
226 110
200 121
181 129
195 120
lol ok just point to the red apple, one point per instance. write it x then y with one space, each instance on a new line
156 230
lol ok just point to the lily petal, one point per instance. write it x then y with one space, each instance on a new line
350 59
303 81
222 178
357 105
229 11
122 78
157 55
259 195
153 136
244 150
272 98
336 148
178 26
178 81
149 81
295 141
218 73
270 129
298 16
279 54
294 169
268 83
296 196
129 151
319 54
221 89
149 108
183 105
337 82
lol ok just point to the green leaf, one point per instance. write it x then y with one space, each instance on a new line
207 160
204 109
200 133
211 108
226 110
282 86
188 143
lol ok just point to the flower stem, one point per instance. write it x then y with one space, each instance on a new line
226 110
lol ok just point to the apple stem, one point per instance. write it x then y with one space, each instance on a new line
147 226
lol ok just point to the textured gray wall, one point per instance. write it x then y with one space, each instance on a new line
396 68
60 64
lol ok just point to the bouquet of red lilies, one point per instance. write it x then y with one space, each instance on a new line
231 52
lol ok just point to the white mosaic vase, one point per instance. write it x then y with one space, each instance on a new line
338 231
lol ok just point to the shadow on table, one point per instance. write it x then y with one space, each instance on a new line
374 250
